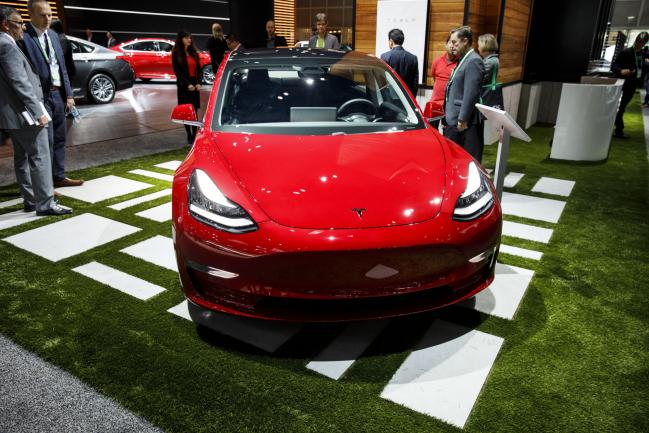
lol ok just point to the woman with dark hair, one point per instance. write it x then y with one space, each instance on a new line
186 65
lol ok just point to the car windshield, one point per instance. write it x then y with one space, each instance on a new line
307 96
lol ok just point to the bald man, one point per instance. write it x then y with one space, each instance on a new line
273 40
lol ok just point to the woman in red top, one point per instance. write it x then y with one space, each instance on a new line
186 65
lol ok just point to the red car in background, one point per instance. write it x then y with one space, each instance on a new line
316 191
150 59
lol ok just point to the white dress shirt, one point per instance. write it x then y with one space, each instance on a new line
50 57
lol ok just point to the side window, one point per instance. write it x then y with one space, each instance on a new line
79 48
142 46
164 46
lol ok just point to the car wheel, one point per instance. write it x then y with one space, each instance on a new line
145 80
101 89
208 74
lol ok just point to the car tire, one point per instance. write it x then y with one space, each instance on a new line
145 80
101 89
207 74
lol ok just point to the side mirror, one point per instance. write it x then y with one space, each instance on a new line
185 114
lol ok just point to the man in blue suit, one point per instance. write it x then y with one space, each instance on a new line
403 62
41 45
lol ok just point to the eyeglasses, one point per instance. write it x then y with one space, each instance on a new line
20 23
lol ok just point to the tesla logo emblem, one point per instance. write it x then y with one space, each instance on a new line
359 211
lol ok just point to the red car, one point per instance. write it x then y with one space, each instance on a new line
316 191
150 58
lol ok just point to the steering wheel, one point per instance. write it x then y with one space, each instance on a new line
357 101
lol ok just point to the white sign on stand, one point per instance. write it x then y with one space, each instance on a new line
507 127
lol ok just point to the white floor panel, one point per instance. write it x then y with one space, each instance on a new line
71 236
263 334
444 374
170 165
16 218
11 202
521 252
138 200
336 358
119 280
158 250
505 294
512 179
160 213
527 206
526 231
549 185
103 188
153 174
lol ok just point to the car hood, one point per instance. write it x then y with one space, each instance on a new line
340 181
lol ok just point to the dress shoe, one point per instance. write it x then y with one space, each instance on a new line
29 207
55 210
56 194
621 135
67 182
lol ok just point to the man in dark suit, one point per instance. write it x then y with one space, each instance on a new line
462 122
23 118
273 40
403 62
628 65
110 40
42 47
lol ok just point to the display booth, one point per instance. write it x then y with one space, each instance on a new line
586 118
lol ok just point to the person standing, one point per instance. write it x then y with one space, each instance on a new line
628 65
462 123
233 42
66 46
441 71
23 118
216 46
186 65
88 35
492 93
403 62
273 40
322 39
41 46
110 40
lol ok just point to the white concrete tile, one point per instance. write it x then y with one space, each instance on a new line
527 206
138 200
521 252
160 213
169 165
512 179
504 295
549 185
263 334
71 236
16 218
526 231
119 280
158 250
336 358
444 374
11 202
103 188
153 174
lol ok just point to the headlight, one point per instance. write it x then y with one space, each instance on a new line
476 198
208 205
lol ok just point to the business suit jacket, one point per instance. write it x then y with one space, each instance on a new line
183 80
32 49
330 41
20 87
405 64
279 41
626 59
463 90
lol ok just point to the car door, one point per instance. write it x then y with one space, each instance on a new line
83 65
142 57
163 61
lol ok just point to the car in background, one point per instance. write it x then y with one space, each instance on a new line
150 58
100 72
316 191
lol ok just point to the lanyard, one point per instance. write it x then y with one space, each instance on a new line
450 80
47 56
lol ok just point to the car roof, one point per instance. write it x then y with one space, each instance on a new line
297 53
147 39
97 47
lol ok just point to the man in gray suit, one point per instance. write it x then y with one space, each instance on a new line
462 122
23 117
322 39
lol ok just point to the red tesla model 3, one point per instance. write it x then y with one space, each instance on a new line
150 58
316 191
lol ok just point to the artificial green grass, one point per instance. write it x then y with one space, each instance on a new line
574 358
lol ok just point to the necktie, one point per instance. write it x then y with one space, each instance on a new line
47 46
